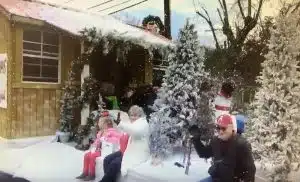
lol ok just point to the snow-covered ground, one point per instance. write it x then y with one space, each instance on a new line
40 159
43 160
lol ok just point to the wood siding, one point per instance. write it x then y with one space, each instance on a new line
35 112
6 47
33 107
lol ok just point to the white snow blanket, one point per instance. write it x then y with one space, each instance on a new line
165 172
169 172
49 161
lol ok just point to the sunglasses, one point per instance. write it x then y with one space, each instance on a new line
221 128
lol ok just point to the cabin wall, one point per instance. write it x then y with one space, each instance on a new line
6 47
36 107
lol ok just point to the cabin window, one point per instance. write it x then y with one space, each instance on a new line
41 56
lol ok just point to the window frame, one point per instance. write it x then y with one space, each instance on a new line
41 56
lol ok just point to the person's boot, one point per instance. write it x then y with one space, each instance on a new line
89 178
82 176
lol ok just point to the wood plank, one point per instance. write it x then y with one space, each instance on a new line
52 106
27 112
33 103
46 107
36 86
3 122
57 108
39 112
14 128
20 112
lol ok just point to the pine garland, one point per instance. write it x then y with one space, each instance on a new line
95 40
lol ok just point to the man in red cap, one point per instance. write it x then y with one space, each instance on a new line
231 154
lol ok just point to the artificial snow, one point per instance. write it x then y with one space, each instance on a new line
48 161
169 172
75 21
274 124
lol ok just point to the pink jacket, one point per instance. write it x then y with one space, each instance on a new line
113 136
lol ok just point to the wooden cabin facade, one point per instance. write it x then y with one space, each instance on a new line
38 60
34 82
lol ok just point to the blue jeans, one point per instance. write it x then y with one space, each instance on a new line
112 167
208 179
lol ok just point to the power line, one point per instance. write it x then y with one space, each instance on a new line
114 6
100 4
128 7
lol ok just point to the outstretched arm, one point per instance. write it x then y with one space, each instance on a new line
136 129
204 151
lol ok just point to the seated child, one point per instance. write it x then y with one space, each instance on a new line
107 133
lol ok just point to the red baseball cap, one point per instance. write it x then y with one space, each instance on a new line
224 120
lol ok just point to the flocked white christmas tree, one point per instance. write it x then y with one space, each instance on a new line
178 98
275 122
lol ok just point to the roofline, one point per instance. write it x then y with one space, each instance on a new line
157 35
55 5
5 12
18 18
93 13
22 19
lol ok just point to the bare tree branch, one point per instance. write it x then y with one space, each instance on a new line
208 20
227 30
235 33
241 9
220 15
249 8
221 4
225 10
259 9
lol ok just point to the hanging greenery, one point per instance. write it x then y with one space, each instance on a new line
93 42
70 93
90 89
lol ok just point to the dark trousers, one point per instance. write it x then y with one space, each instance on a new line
112 167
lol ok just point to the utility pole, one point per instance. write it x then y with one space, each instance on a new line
167 13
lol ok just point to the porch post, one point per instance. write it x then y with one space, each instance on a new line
85 73
148 70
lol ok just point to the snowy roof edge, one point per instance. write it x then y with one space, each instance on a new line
147 35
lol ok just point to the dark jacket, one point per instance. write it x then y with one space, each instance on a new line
231 160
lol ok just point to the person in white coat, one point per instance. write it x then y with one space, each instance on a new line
137 151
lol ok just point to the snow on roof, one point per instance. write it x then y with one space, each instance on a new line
75 21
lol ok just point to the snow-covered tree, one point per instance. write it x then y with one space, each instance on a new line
178 99
275 122
69 101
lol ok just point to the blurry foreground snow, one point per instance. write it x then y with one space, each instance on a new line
42 160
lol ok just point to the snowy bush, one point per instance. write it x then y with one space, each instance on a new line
275 121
